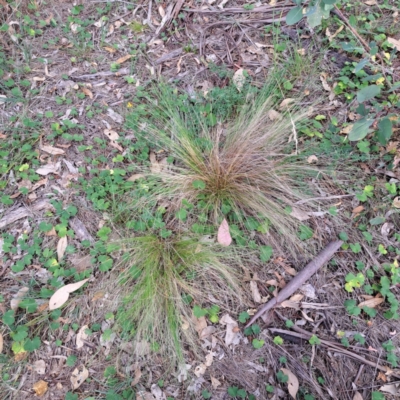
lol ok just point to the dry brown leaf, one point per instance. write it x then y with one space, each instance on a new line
346 130
200 370
273 115
381 376
1 343
87 92
357 396
61 246
113 137
358 209
297 297
239 79
62 294
215 382
293 383
231 335
123 59
14 303
392 388
290 304
40 388
209 359
372 303
224 237
81 336
39 367
142 395
394 42
308 290
79 376
299 214
138 375
200 324
255 292
325 84
312 159
208 331
135 177
3 136
110 49
51 168
52 150
396 202
285 103
161 11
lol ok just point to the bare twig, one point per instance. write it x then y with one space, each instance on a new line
238 10
324 198
310 269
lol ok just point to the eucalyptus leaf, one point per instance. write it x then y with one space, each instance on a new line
361 65
294 15
360 129
368 93
385 130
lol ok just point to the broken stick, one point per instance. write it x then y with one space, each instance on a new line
302 277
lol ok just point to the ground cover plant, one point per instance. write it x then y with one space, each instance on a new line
134 249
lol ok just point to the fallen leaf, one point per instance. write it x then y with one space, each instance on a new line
215 382
113 136
79 376
1 343
209 359
273 115
40 388
157 392
221 5
3 136
87 92
346 130
61 246
358 209
110 49
99 23
224 237
357 396
372 303
325 84
123 59
299 214
51 168
393 389
394 42
200 370
290 304
52 150
297 297
293 383
386 228
138 375
308 290
381 376
142 395
370 3
208 331
231 335
81 336
183 372
239 79
312 159
396 202
14 303
62 294
200 324
285 103
255 292
119 119
161 11
135 177
39 367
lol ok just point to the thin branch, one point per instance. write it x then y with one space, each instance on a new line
303 276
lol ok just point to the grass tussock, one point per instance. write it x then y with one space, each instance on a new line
163 279
243 166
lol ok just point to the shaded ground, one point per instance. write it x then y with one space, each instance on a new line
71 90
